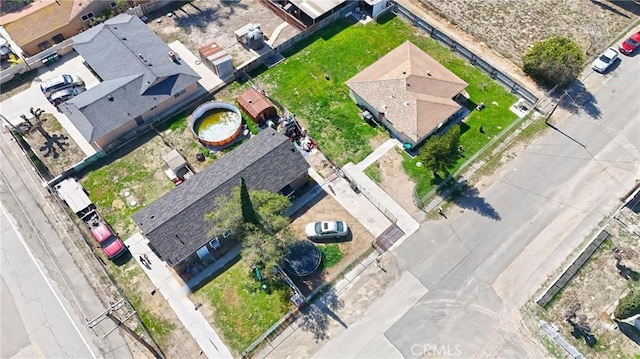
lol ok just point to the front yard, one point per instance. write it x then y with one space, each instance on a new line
341 51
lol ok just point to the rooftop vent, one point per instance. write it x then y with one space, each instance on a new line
428 73
110 98
404 72
172 56
140 56
406 103
250 101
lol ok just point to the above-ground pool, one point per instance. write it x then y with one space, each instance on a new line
216 124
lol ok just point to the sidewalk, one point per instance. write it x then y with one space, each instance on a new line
176 296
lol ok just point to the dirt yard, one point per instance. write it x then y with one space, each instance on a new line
201 22
597 287
397 184
324 207
511 27
52 145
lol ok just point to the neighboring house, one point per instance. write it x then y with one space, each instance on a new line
175 223
408 92
44 23
141 80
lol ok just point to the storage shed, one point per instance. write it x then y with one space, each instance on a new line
217 59
256 105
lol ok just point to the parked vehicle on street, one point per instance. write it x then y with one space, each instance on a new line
629 45
110 244
326 230
60 82
61 96
605 60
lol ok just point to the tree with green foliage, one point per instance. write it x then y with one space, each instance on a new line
441 153
249 214
262 233
628 306
554 61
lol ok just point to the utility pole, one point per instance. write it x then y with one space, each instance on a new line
109 313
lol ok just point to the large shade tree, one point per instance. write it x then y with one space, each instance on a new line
256 219
554 61
441 153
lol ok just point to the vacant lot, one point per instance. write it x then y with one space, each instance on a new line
512 26
597 287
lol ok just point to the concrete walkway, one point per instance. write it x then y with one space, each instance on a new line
379 152
176 295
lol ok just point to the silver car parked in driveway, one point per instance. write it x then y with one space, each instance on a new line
60 82
326 230
61 96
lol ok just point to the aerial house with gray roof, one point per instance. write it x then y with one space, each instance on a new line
142 81
175 223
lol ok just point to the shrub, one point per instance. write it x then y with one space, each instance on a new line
554 61
628 306
331 255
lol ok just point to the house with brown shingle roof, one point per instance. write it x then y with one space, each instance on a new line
408 92
44 23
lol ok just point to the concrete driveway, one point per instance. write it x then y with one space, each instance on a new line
20 104
501 241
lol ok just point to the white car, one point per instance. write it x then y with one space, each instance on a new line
326 230
608 57
60 82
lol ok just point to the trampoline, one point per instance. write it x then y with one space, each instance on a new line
302 258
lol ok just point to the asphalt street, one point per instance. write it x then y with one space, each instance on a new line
502 240
46 299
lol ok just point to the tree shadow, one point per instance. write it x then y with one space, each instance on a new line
630 331
578 98
627 273
467 197
610 8
317 314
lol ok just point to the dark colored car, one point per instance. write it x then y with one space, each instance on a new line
631 44
5 51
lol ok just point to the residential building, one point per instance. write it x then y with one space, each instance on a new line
408 92
142 80
175 223
44 23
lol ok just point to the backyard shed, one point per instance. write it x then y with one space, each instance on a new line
217 59
256 105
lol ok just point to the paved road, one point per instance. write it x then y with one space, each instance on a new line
45 298
494 250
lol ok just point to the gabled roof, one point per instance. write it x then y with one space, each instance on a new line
37 19
412 89
175 222
133 84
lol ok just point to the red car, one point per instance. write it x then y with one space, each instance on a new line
111 245
629 45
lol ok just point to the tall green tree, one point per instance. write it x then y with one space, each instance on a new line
249 214
263 242
441 153
554 61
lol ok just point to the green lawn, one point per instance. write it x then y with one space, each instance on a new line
343 50
241 310
331 254
373 172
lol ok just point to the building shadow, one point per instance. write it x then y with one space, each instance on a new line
608 7
577 98
468 197
630 6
